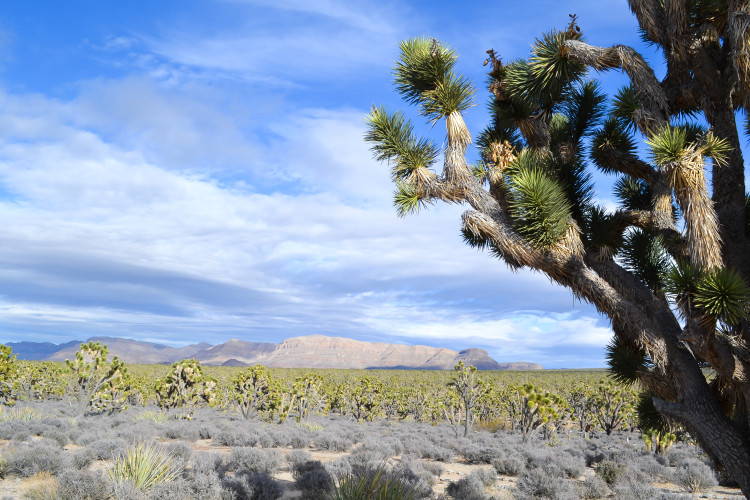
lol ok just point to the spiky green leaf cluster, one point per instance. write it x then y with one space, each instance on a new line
625 361
392 138
625 107
406 200
648 417
611 140
145 465
724 295
424 76
549 73
633 194
602 233
681 282
584 108
667 144
645 256
538 204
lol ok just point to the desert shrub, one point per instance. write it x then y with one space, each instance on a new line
295 457
488 477
594 487
554 464
633 487
371 484
177 489
679 454
434 468
694 476
411 471
439 453
25 414
650 466
481 455
253 486
183 430
312 479
207 462
535 483
362 460
254 460
83 485
107 449
81 459
207 486
181 451
339 468
609 471
329 441
145 465
151 415
300 440
509 466
45 488
56 435
25 460
467 488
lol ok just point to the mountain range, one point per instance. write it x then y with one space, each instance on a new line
311 351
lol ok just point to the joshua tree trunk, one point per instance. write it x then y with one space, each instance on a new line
531 201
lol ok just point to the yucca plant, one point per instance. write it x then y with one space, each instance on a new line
145 465
373 484
673 279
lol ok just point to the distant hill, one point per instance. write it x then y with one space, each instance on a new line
311 351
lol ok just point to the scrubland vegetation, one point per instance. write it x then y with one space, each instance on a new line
187 431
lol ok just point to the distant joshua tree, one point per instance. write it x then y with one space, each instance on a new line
672 279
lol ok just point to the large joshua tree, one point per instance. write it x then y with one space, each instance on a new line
671 266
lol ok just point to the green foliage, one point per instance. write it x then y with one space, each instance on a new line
8 373
98 385
612 405
253 389
611 139
667 144
469 388
372 485
424 76
184 387
365 396
724 295
625 361
633 194
584 108
407 200
645 256
625 107
308 395
538 204
20 414
602 233
550 74
392 139
145 465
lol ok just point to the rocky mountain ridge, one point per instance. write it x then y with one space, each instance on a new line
311 351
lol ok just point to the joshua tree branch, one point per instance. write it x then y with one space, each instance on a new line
655 105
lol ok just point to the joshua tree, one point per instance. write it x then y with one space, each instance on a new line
253 390
184 387
96 384
672 280
469 388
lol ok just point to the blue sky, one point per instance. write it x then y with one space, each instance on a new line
186 171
